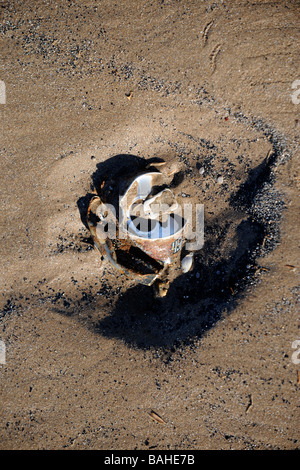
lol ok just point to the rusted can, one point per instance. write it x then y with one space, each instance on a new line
149 230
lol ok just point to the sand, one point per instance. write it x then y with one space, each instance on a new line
89 354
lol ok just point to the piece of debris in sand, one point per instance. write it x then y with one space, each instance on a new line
250 404
138 225
156 417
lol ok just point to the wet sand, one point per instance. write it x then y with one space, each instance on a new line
89 354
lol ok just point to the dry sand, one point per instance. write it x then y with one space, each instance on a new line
88 354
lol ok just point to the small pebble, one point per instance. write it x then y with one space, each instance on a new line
201 171
220 180
187 263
